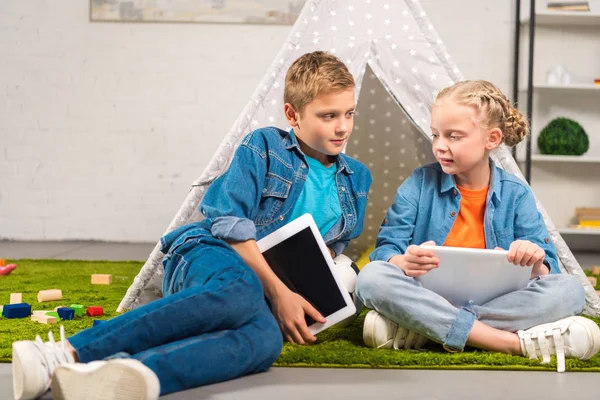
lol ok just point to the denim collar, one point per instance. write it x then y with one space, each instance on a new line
495 190
290 142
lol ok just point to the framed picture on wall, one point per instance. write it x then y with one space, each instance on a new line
272 12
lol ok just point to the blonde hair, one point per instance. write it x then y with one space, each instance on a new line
312 74
493 106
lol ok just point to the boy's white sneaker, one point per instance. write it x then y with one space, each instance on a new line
574 337
33 363
380 332
116 379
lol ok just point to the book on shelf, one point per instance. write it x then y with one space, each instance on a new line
590 223
566 5
581 212
585 227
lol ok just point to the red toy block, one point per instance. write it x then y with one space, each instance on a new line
94 311
7 269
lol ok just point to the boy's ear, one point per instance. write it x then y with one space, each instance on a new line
290 114
494 138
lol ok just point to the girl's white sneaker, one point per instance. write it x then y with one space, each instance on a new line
575 337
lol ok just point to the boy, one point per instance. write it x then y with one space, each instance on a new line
213 323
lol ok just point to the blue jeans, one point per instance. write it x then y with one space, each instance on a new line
384 287
212 325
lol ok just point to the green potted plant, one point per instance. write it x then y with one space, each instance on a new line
563 136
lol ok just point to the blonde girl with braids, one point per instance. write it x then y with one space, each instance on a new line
465 200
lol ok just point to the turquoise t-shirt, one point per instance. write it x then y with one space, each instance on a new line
319 196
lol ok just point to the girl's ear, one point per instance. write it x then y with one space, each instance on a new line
291 115
494 138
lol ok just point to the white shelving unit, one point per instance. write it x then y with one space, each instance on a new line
562 18
567 159
563 183
579 231
569 88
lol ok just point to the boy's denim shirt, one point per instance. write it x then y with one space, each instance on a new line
257 193
428 202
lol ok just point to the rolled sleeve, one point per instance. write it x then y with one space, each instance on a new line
232 200
529 225
233 228
398 227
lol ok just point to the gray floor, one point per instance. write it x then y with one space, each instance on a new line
301 383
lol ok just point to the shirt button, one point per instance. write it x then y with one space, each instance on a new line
453 214
281 217
547 240
343 189
265 190
454 191
303 166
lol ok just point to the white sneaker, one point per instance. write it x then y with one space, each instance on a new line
575 337
33 363
381 333
116 379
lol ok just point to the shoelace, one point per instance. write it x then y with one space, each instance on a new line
545 339
53 354
413 340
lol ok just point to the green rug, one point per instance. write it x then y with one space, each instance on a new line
336 347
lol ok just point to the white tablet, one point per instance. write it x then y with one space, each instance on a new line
475 275
298 255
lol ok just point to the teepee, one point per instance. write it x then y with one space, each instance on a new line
399 64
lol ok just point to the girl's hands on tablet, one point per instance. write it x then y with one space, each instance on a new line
289 309
526 253
416 261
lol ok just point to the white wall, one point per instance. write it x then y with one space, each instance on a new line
103 126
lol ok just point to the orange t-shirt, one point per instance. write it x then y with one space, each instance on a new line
467 230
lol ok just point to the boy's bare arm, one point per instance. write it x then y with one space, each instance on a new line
288 307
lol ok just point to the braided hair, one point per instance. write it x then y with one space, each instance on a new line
493 106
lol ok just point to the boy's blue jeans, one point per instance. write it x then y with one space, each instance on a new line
384 287
214 325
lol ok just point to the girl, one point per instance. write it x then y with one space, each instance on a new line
464 200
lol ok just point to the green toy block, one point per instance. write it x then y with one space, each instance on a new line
79 309
53 314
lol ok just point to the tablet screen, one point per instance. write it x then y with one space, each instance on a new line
299 263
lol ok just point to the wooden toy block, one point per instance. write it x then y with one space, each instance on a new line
49 295
66 313
16 298
98 322
53 314
20 310
593 280
596 270
94 311
39 312
78 309
43 319
101 279
2 262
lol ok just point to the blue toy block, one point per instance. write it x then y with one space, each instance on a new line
20 310
66 313
98 322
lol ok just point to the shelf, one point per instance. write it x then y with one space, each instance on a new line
581 18
579 231
591 87
568 159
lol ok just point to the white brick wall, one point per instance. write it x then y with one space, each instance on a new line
103 126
